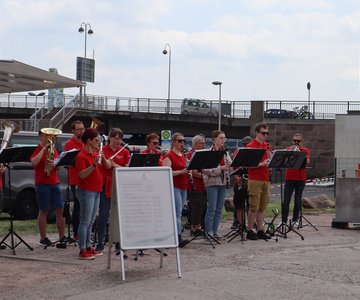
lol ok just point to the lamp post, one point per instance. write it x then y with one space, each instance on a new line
36 96
166 52
219 83
84 28
308 87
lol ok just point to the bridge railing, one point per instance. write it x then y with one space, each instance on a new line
239 109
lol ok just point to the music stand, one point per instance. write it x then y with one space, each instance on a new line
144 160
66 159
205 159
7 156
245 158
282 159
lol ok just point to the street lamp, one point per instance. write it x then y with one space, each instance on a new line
166 52
36 96
84 28
219 83
308 87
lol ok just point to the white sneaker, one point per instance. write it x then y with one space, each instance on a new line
218 235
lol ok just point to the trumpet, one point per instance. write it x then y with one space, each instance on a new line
50 151
95 123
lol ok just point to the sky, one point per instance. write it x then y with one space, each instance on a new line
258 49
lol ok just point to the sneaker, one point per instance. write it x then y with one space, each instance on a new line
86 255
45 242
263 236
99 247
62 242
218 235
251 235
235 226
94 252
294 224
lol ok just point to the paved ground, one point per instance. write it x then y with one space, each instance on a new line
325 265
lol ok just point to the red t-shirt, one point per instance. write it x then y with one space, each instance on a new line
147 151
73 143
198 182
178 163
260 173
40 176
94 182
297 174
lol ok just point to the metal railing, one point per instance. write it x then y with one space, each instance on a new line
239 109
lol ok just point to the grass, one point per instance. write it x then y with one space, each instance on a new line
22 227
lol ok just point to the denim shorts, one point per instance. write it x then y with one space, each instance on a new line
49 196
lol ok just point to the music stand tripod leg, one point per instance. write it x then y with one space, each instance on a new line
301 218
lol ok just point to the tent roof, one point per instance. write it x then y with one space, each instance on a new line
16 76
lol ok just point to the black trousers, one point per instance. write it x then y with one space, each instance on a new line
290 187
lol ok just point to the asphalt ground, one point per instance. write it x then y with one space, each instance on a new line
325 265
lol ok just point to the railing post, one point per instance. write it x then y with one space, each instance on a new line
138 104
313 116
148 106
348 106
9 100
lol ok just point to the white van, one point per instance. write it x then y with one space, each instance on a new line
191 106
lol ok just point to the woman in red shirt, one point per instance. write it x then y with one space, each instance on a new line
176 160
89 163
121 159
152 141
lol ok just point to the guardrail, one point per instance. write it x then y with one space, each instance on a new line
239 109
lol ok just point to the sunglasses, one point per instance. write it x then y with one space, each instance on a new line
180 141
264 132
155 143
297 141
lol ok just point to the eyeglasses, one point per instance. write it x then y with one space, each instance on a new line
297 141
80 129
155 143
180 141
264 132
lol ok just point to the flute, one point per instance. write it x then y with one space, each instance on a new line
100 152
124 147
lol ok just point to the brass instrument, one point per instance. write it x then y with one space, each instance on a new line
9 128
295 147
50 151
95 123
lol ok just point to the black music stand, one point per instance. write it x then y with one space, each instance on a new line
282 159
205 159
7 156
66 159
245 158
144 160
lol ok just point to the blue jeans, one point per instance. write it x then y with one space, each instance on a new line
216 199
89 205
180 198
104 210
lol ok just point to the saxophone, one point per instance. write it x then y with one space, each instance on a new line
50 151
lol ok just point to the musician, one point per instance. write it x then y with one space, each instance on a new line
47 188
75 142
240 190
197 197
90 163
215 183
295 181
176 160
259 185
121 159
2 171
152 146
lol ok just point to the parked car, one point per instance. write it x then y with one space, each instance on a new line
279 113
191 106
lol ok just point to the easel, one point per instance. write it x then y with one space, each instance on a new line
282 159
7 156
205 159
66 159
245 158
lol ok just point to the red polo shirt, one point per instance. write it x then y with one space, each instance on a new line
297 174
73 143
260 173
178 163
94 182
40 176
147 151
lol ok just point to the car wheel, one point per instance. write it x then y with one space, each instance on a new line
26 206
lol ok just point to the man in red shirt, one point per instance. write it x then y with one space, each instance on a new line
47 187
295 181
75 142
259 185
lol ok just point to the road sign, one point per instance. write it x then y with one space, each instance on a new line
85 69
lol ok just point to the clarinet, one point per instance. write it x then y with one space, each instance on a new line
191 178
228 161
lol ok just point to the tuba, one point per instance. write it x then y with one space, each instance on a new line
9 128
50 152
95 123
